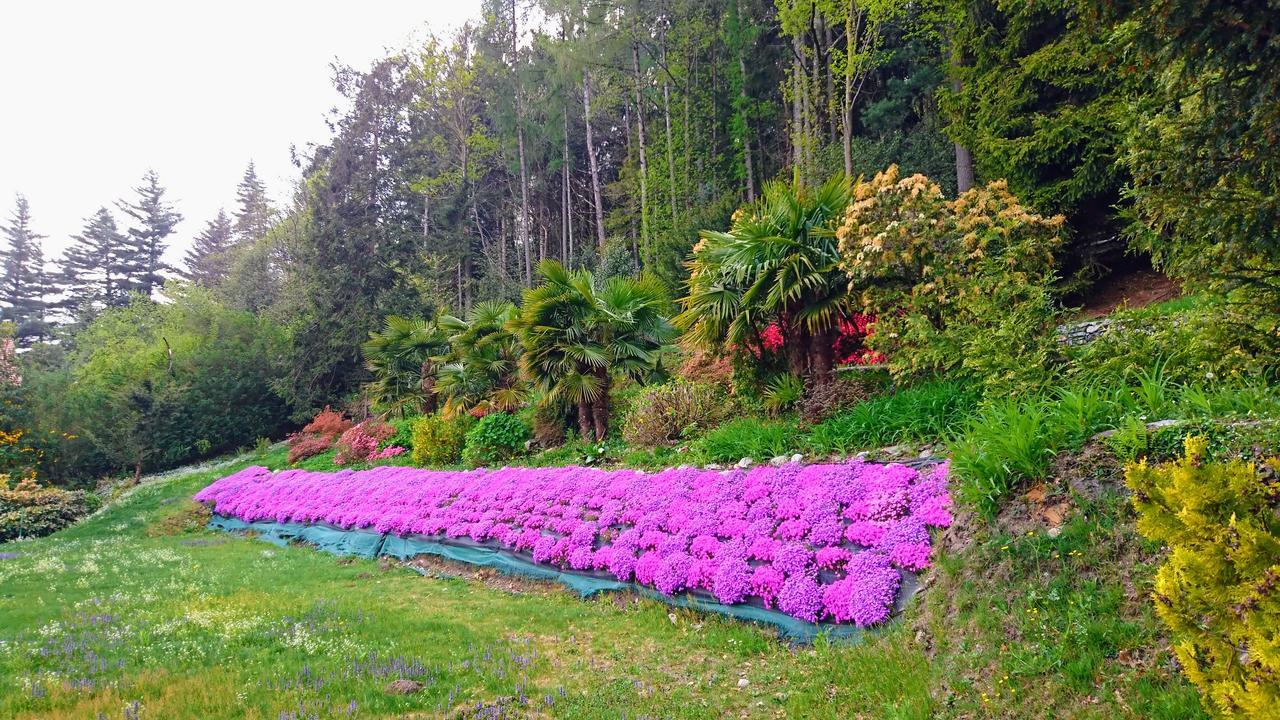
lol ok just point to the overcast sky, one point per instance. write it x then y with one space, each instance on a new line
92 94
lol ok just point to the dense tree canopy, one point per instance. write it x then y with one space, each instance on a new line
610 139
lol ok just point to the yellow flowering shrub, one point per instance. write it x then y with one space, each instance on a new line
954 284
28 509
1218 591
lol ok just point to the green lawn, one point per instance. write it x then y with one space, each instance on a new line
141 613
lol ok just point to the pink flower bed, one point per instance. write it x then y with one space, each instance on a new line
817 542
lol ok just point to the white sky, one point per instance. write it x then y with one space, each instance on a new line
92 94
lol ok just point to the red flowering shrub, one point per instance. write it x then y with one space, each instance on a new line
328 424
360 442
305 445
318 436
850 341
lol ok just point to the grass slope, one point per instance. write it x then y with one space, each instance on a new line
139 612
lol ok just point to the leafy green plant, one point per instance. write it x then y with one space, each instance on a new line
1080 412
667 413
1152 393
438 440
1007 442
926 412
496 437
1217 590
402 433
749 438
782 393
1131 439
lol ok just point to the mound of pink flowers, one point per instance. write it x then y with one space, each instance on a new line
817 542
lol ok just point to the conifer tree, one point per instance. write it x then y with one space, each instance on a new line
254 215
22 276
154 221
94 270
209 257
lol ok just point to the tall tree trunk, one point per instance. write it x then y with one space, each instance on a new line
644 163
964 158
746 132
831 103
522 229
688 124
671 151
426 215
846 108
566 207
964 168
591 156
797 122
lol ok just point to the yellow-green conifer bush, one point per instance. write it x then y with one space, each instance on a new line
1218 591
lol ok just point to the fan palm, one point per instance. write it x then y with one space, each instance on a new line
578 336
402 359
780 261
482 371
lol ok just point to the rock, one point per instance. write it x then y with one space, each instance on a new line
745 463
797 458
1054 532
714 466
672 618
778 461
743 682
926 453
403 687
1151 426
892 450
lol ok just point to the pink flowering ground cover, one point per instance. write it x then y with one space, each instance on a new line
817 542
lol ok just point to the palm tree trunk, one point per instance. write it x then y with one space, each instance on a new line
798 351
822 356
584 419
600 408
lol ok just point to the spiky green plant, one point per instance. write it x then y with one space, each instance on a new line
779 261
482 370
402 358
578 336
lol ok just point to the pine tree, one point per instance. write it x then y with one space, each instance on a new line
22 287
95 268
155 220
209 257
255 214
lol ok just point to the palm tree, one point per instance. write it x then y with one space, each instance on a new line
482 369
403 359
578 336
779 261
